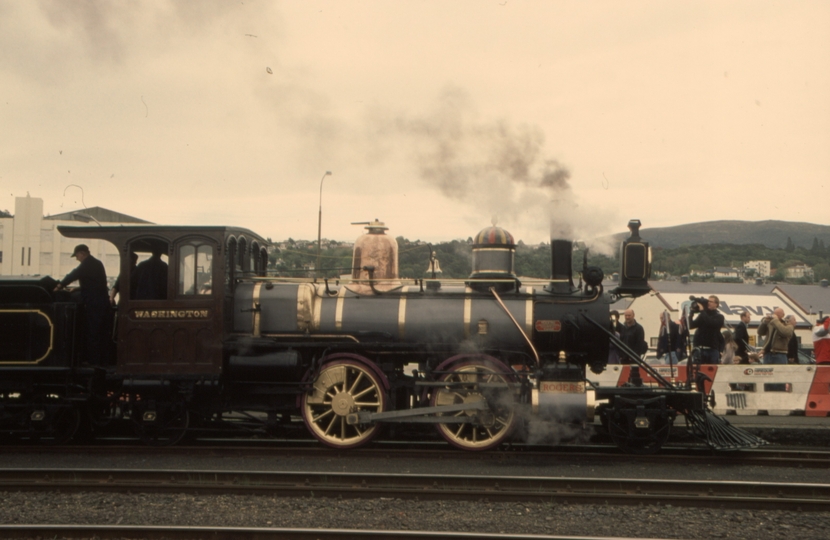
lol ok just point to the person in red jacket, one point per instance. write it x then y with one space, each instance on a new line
821 341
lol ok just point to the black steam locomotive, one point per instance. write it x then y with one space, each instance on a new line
481 359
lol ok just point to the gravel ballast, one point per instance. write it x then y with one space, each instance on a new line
268 511
655 521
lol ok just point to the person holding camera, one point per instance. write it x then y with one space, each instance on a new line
707 323
779 333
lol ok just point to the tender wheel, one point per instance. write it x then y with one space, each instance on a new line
343 387
165 426
490 427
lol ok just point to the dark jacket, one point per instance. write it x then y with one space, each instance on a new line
742 339
92 277
669 340
634 337
151 279
792 348
707 334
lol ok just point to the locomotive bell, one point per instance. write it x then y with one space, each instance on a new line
493 255
434 268
374 259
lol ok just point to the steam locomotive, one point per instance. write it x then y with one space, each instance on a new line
480 359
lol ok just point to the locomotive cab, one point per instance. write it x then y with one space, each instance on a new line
175 286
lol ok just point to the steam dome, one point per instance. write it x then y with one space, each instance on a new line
493 254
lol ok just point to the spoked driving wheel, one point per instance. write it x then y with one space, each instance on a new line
473 382
343 387
164 426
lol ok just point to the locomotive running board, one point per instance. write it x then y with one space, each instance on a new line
419 415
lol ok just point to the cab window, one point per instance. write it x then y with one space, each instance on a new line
230 258
195 268
253 265
242 255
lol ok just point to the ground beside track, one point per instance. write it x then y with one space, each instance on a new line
266 511
483 516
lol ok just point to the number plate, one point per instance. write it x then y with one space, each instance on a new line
562 387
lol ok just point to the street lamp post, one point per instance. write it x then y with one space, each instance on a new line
320 224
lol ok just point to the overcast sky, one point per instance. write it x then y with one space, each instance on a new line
433 116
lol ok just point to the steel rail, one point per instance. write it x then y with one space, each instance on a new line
152 532
752 495
768 456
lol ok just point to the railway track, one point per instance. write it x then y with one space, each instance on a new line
617 491
105 532
768 456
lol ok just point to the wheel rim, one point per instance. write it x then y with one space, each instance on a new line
341 388
475 435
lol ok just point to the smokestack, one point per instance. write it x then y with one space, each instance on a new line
561 268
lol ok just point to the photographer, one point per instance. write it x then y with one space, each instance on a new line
707 323
779 332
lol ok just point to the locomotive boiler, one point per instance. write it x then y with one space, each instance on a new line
231 347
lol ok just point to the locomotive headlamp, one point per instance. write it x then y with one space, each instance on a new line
635 262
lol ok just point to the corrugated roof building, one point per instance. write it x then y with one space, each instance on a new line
806 302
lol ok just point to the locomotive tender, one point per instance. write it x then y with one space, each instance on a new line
479 358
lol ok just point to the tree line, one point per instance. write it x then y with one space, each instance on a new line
298 258
691 259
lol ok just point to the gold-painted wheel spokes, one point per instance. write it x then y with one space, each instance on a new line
340 389
492 426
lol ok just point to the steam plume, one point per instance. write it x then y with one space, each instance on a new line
496 167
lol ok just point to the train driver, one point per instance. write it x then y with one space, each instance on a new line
92 276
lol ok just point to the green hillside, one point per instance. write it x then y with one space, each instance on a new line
770 233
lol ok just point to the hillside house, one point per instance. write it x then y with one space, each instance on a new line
799 271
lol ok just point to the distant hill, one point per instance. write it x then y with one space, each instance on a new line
770 233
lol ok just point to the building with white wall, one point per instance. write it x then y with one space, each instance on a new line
30 244
726 272
762 268
800 271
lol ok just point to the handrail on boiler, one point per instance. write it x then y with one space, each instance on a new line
518 326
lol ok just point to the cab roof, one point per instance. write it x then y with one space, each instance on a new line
120 233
